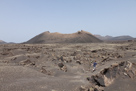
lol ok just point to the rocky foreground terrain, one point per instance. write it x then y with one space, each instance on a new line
68 67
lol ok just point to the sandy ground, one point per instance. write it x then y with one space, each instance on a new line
59 67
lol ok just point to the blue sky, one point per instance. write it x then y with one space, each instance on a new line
20 20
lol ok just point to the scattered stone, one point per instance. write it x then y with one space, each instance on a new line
27 62
43 70
94 51
78 61
60 65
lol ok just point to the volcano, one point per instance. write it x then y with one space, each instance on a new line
78 37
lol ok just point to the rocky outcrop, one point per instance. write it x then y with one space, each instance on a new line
107 77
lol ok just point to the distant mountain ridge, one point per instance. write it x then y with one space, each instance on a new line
118 38
2 42
78 37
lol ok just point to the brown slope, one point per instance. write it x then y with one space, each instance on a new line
78 37
2 42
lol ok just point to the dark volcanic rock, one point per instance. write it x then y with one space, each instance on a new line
114 76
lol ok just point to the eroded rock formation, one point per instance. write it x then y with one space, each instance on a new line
107 77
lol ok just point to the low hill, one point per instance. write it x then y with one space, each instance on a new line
118 38
78 37
103 37
122 38
2 42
